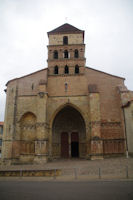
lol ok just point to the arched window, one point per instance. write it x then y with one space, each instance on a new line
66 70
65 54
55 54
76 69
65 40
76 53
56 69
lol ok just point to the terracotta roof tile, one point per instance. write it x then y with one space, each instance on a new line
1 123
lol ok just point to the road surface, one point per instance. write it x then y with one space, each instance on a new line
54 190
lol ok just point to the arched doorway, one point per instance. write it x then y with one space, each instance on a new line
68 134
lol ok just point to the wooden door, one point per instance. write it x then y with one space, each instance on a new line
64 145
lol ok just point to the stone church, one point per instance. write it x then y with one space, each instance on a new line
66 110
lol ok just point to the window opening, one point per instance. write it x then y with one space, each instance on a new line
76 69
56 69
65 40
55 54
66 70
76 53
66 86
32 86
65 54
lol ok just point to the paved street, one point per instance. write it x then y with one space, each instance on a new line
54 190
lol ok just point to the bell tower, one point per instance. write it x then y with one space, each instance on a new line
66 51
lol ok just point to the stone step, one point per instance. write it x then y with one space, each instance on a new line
26 173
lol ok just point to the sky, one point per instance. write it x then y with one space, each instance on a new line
24 24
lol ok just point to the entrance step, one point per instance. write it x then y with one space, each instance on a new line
27 173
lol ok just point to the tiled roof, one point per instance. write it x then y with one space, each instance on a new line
65 28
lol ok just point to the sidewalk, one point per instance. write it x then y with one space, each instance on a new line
77 169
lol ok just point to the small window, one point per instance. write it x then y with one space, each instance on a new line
76 53
66 86
65 40
66 70
55 54
76 69
56 69
65 54
32 86
0 142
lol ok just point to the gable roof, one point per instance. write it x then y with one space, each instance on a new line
104 72
26 75
65 28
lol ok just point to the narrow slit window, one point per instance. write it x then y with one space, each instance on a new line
32 86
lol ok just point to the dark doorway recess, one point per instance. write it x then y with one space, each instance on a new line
74 145
64 145
68 120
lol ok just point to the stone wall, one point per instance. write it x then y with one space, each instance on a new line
104 122
57 39
129 127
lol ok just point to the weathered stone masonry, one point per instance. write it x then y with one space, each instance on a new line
66 110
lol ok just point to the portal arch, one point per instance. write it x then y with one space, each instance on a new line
69 122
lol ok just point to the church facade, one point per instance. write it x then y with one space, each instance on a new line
66 110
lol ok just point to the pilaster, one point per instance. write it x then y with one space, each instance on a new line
41 143
95 124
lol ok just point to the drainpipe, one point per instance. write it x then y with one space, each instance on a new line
125 131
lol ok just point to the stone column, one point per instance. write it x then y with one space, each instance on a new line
41 144
95 124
